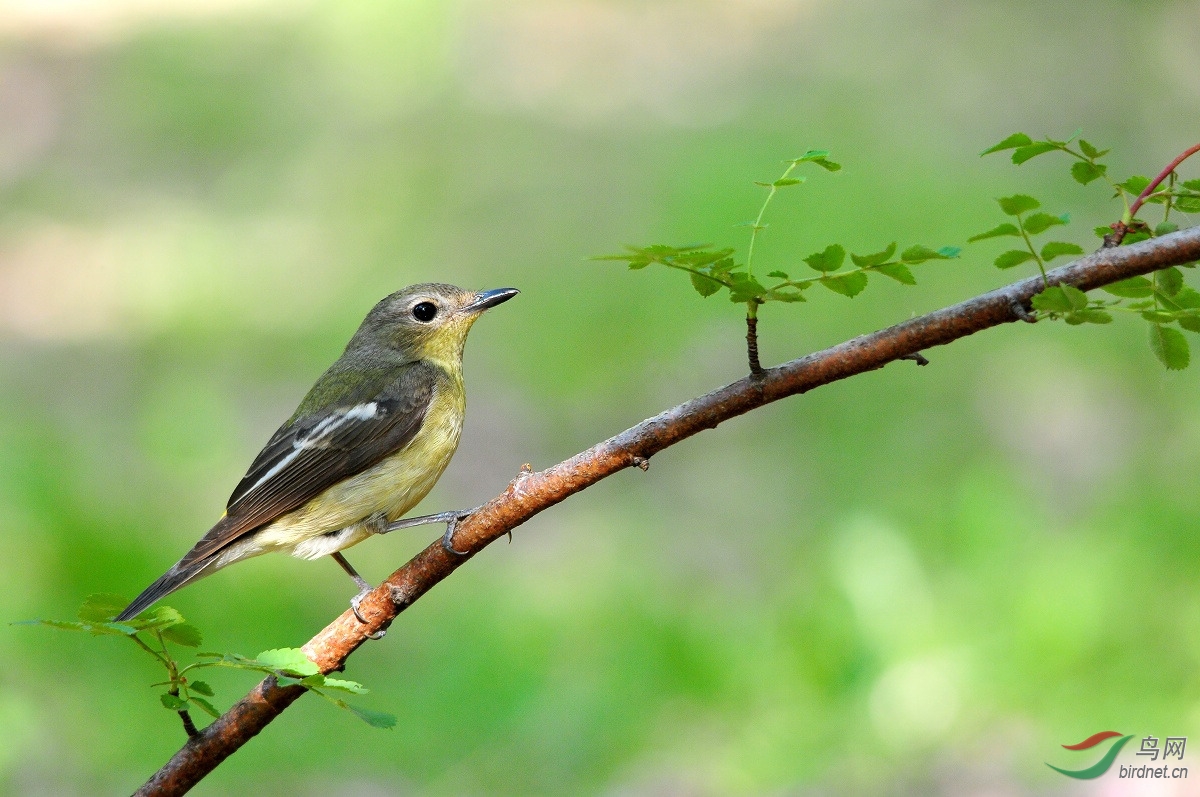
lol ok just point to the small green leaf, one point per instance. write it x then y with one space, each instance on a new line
289 660
722 266
811 155
1088 317
1085 172
1040 222
159 617
1169 346
63 625
1132 288
1013 257
744 287
828 165
1136 184
201 687
1012 142
850 284
1188 204
1052 300
173 702
1017 204
1165 228
183 634
1101 231
875 259
1077 298
898 272
376 719
829 260
1093 153
705 286
786 296
1135 237
1158 316
995 232
206 707
1169 281
920 254
782 275
1058 248
346 686
116 628
1191 185
783 182
1190 322
1030 151
101 607
1187 298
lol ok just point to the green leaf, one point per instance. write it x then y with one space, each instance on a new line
159 617
1135 237
101 607
201 687
1132 288
784 182
811 155
1187 298
829 260
996 232
1101 231
850 284
115 628
1077 298
1030 151
1165 228
1170 281
63 625
1136 184
1190 322
183 634
745 288
1012 142
1158 316
1169 346
1017 204
1188 204
878 258
1088 317
722 266
1191 185
828 165
1013 257
1051 300
376 719
898 272
1085 172
786 296
920 254
289 660
1057 248
778 275
705 286
206 707
1093 153
173 702
1040 222
346 686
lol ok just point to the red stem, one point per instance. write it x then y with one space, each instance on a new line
1164 174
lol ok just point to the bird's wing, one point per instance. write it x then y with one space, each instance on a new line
311 453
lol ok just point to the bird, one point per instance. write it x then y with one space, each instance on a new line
364 446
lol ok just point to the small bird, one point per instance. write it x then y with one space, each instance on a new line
364 446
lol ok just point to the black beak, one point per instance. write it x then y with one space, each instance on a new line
486 299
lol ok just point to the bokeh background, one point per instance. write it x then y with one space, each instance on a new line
918 581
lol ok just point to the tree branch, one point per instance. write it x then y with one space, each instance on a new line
531 493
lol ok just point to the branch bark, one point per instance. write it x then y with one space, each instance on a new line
530 493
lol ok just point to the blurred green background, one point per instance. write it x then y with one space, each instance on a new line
918 581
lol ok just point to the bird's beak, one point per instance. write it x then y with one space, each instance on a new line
486 299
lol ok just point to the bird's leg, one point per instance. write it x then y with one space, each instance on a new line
451 519
363 589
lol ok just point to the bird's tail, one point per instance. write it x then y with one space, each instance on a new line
178 576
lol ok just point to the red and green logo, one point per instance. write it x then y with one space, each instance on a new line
1101 766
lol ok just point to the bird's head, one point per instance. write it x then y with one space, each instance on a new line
429 321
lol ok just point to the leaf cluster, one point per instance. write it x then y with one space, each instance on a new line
154 628
1161 299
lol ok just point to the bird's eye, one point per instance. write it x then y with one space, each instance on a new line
425 312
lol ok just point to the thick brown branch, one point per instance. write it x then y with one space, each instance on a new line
531 493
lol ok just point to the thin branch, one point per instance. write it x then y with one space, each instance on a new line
1120 228
531 493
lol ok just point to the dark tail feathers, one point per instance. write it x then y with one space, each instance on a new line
170 581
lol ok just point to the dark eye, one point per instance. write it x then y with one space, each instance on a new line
425 312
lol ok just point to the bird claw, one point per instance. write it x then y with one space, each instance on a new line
354 604
448 537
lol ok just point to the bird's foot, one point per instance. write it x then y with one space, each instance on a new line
451 519
364 589
354 604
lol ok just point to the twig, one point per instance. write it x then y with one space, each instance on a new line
916 357
1120 228
532 493
752 345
